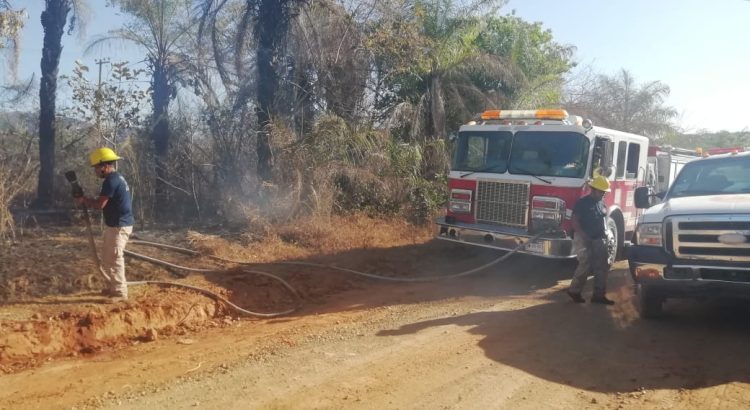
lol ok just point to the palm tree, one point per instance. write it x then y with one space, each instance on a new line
449 68
619 102
268 21
158 27
54 19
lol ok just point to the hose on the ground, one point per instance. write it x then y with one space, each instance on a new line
282 281
209 293
217 297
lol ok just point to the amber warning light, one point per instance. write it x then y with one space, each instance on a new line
525 114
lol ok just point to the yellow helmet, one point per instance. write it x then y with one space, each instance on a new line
102 155
601 183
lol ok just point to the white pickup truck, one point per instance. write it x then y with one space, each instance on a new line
696 241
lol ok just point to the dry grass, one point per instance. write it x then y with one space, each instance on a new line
15 178
311 236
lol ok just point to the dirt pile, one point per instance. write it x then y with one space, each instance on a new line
50 293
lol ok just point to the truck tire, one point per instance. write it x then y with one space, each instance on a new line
613 241
649 302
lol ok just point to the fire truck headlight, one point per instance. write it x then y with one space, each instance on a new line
460 207
546 211
460 201
545 215
650 234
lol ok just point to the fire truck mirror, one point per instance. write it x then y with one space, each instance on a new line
642 197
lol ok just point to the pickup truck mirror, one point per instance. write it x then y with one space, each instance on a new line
642 197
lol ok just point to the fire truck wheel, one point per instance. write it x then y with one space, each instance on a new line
613 245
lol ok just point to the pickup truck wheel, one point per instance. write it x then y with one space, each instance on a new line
613 243
649 302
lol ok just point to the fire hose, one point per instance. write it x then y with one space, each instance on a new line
78 192
291 263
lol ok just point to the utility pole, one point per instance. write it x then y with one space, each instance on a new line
98 108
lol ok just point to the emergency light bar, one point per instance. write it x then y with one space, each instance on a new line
559 115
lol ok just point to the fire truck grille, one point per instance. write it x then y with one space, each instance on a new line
725 237
503 203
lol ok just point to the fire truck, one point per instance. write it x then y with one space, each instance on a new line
664 162
516 175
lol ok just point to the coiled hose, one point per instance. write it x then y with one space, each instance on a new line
289 287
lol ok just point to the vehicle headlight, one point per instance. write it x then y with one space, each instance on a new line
650 234
460 201
547 210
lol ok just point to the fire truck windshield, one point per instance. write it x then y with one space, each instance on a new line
483 151
537 153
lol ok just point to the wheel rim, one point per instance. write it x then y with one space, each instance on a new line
611 241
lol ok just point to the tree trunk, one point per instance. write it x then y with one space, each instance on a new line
53 20
271 19
266 90
437 107
304 113
160 133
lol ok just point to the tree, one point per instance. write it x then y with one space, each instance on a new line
533 50
271 27
54 19
113 107
431 55
157 26
330 64
619 102
11 24
269 22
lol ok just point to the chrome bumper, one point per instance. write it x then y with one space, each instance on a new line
504 238
693 280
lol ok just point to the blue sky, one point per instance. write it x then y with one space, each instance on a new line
102 19
697 47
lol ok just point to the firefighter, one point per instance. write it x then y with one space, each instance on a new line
115 202
589 223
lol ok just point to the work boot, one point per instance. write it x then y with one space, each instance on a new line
602 300
576 297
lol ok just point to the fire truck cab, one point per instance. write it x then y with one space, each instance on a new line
517 174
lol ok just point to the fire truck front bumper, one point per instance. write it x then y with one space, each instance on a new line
504 238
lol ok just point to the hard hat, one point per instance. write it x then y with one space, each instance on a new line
102 155
601 183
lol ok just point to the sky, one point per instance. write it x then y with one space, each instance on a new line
699 48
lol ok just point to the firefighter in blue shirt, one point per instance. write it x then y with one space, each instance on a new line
115 202
589 223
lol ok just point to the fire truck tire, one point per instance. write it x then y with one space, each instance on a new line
615 245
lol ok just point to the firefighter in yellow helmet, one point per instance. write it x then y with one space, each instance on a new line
589 223
116 204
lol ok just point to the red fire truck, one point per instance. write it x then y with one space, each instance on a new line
517 174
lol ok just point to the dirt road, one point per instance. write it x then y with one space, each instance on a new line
508 338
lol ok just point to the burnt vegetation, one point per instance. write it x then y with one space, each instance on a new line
252 109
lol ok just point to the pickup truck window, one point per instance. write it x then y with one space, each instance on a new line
729 175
